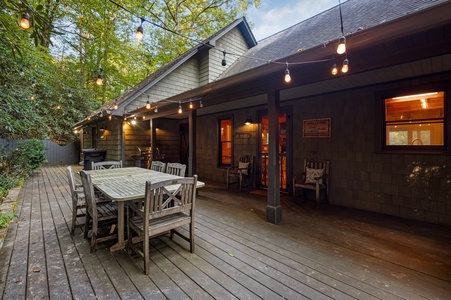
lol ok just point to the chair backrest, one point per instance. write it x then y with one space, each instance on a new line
317 164
71 178
90 197
246 161
160 200
108 164
176 169
158 166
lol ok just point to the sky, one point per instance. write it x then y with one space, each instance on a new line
273 16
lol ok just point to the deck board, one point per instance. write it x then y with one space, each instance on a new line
331 253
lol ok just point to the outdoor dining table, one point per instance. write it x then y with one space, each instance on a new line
125 184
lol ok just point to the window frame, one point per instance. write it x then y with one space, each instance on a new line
220 142
381 142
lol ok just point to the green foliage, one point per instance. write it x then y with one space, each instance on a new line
5 219
20 163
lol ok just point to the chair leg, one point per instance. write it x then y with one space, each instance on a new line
85 234
191 237
317 197
146 249
74 220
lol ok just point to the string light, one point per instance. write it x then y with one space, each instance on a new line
140 31
25 21
342 41
110 117
32 97
180 107
224 62
115 105
334 70
99 80
148 102
287 74
191 105
156 108
201 104
58 107
345 67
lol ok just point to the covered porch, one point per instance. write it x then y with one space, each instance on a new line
332 253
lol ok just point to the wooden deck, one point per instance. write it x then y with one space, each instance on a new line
315 254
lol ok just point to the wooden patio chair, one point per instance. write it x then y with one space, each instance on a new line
176 169
158 166
242 172
78 200
108 164
164 210
97 214
314 177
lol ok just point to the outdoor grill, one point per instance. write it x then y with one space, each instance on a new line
143 157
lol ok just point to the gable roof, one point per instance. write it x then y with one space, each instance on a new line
137 90
325 28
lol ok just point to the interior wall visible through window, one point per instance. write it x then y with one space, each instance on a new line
225 142
416 120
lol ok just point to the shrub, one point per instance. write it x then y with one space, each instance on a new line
19 164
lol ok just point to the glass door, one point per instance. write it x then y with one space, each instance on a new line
264 151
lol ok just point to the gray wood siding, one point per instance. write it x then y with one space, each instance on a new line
232 42
136 136
185 77
168 139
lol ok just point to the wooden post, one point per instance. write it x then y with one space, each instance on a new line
273 209
192 121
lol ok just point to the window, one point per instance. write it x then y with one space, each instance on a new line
225 142
415 121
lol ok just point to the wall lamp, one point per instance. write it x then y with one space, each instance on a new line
248 121
102 129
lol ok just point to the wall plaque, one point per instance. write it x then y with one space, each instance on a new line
317 128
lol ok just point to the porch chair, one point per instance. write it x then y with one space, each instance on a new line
176 169
97 214
78 200
164 210
314 177
108 164
242 172
158 166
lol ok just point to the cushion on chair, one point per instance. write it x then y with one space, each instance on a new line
243 166
311 174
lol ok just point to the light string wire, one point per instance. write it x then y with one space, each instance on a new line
269 61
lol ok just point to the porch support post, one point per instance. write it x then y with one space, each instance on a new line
192 122
153 139
273 209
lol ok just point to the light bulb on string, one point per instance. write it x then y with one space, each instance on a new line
191 105
287 74
334 70
148 102
25 20
341 45
99 80
32 97
140 31
345 67
180 108
201 104
115 105
224 62
156 108
110 117
69 94
144 117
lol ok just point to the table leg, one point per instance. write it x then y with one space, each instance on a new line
120 228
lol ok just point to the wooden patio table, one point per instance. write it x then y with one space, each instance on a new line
125 184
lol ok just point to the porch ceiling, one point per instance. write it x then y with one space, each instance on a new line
410 47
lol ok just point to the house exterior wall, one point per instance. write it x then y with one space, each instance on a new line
210 63
136 136
412 186
185 77
168 139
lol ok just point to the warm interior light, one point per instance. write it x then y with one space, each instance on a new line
334 70
341 45
415 96
25 21
345 67
424 103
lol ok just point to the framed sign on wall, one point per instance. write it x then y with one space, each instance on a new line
316 128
